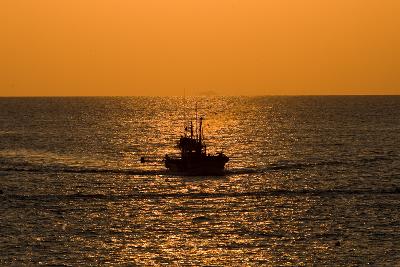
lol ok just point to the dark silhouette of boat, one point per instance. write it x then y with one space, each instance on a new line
193 158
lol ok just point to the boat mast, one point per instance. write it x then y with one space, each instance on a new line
200 130
197 136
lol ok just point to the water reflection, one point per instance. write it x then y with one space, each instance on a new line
296 192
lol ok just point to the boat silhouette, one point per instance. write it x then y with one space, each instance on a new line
194 159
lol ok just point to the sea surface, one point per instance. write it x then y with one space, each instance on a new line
310 181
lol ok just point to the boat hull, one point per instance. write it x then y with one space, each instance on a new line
207 165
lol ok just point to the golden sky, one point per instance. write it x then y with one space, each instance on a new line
229 47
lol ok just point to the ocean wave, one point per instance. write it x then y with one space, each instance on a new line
281 166
204 195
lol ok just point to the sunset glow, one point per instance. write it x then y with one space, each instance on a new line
226 47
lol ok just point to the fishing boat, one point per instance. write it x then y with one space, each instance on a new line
193 159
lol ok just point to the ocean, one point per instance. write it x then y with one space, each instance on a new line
312 180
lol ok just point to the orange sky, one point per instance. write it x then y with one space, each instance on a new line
230 47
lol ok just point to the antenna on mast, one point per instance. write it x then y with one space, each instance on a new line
184 112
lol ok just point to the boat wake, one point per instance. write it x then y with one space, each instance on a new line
88 170
159 170
96 170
